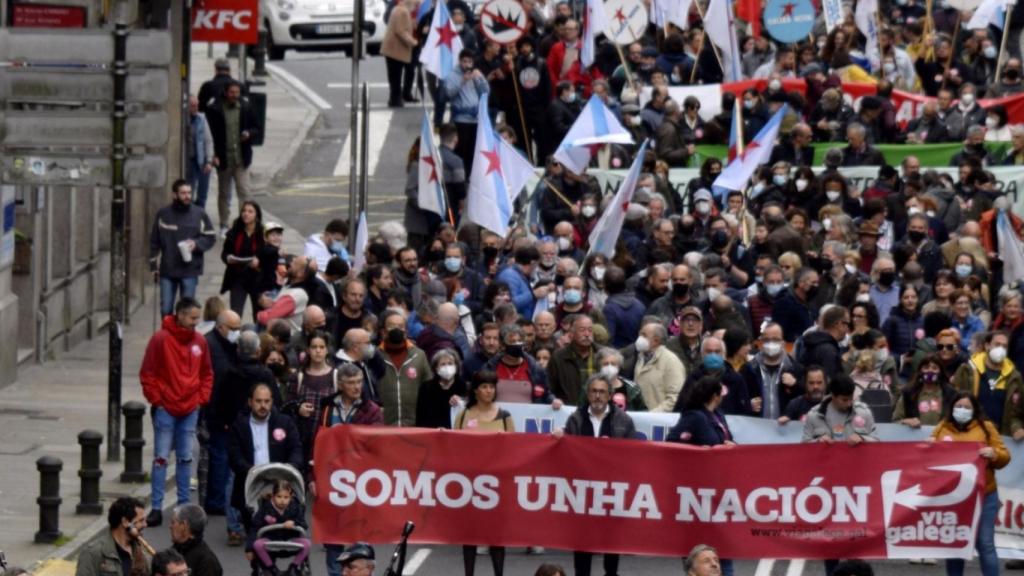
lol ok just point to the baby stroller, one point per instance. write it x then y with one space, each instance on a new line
258 482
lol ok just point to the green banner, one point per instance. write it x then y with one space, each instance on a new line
930 155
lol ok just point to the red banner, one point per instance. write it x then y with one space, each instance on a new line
907 500
234 21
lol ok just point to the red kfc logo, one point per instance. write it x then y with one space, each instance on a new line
234 21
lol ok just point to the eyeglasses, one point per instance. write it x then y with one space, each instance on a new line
185 572
946 347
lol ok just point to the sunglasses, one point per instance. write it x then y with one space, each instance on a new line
946 347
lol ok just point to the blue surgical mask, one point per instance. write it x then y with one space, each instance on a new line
572 296
714 362
774 289
962 415
337 247
780 179
964 270
452 264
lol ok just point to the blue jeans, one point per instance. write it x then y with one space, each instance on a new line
986 542
232 515
217 484
178 434
170 288
200 183
332 553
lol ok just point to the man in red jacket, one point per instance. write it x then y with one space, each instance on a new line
177 378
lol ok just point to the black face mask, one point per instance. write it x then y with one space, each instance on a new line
812 292
1011 75
886 278
278 370
916 236
515 350
559 279
396 336
435 255
719 238
490 253
680 290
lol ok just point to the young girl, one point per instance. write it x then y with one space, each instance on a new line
279 507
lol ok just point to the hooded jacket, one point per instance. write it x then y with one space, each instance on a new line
968 378
176 373
821 349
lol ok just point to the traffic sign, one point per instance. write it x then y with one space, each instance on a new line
627 20
82 47
789 21
94 129
504 21
43 85
149 171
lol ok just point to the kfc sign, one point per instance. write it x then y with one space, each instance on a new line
234 21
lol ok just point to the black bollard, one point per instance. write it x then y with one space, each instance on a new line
133 442
259 55
49 499
90 473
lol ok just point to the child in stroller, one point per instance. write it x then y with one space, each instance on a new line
279 531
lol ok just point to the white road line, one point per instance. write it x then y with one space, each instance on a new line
380 120
299 85
417 560
340 85
796 567
764 568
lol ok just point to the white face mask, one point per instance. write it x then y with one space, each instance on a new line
774 289
598 273
703 207
801 184
990 52
913 210
826 224
997 354
889 67
234 335
368 351
610 371
714 293
446 372
775 85
564 244
991 123
967 99
589 211
772 349
833 195
642 344
962 415
635 121
863 298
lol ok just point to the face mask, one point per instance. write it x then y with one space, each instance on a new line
396 336
886 278
337 247
597 273
812 291
490 253
929 377
863 298
833 195
963 270
916 236
680 290
713 294
780 179
589 211
880 356
278 370
569 98
572 297
515 350
772 349
913 210
559 280
368 351
826 224
233 336
452 264
714 362
889 67
962 415
1011 74
759 279
845 342
446 372
775 85
775 289
642 344
719 238
967 99
758 188
676 79
703 207
801 184
749 104
991 123
564 244
435 256
997 355
990 52
610 371
850 268
634 120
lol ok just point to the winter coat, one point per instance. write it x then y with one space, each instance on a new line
218 127
968 378
984 432
176 373
199 558
564 375
821 349
735 397
268 515
616 424
283 447
900 330
660 379
622 314
538 377
241 274
700 428
754 378
176 224
433 405
859 420
519 287
231 393
399 40
793 315
400 386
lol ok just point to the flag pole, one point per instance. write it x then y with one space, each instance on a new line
625 66
522 117
700 48
557 193
1008 9
952 49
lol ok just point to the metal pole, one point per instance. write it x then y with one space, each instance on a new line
117 248
364 170
353 182
186 79
243 64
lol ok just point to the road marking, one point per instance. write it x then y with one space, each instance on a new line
764 568
379 123
417 560
301 86
796 567
343 85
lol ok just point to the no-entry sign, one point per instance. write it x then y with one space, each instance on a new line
234 21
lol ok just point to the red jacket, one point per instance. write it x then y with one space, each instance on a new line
581 78
176 372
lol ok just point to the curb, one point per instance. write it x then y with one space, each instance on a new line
312 115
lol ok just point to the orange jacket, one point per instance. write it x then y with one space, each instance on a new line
947 431
988 228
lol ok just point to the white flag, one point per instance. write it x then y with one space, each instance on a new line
362 238
595 125
990 12
867 23
595 22
1011 252
606 231
431 192
720 27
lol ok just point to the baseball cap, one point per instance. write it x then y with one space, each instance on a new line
357 551
690 311
271 226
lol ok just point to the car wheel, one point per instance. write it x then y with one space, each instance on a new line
274 52
373 49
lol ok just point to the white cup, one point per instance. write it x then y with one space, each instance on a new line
185 246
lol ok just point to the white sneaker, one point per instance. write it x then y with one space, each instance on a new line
535 550
223 232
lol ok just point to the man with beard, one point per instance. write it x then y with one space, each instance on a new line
772 376
290 303
655 284
118 546
678 296
815 382
686 345
407 369
181 235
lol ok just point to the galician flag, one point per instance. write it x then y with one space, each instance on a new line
866 17
606 231
595 22
738 172
594 126
516 168
1011 251
720 27
440 52
673 12
990 12
362 238
490 196
431 193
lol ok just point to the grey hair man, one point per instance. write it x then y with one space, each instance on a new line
188 524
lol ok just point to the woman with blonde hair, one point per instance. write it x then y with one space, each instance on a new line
790 263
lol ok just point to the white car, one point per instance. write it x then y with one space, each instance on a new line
319 25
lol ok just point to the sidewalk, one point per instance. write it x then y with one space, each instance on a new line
43 412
